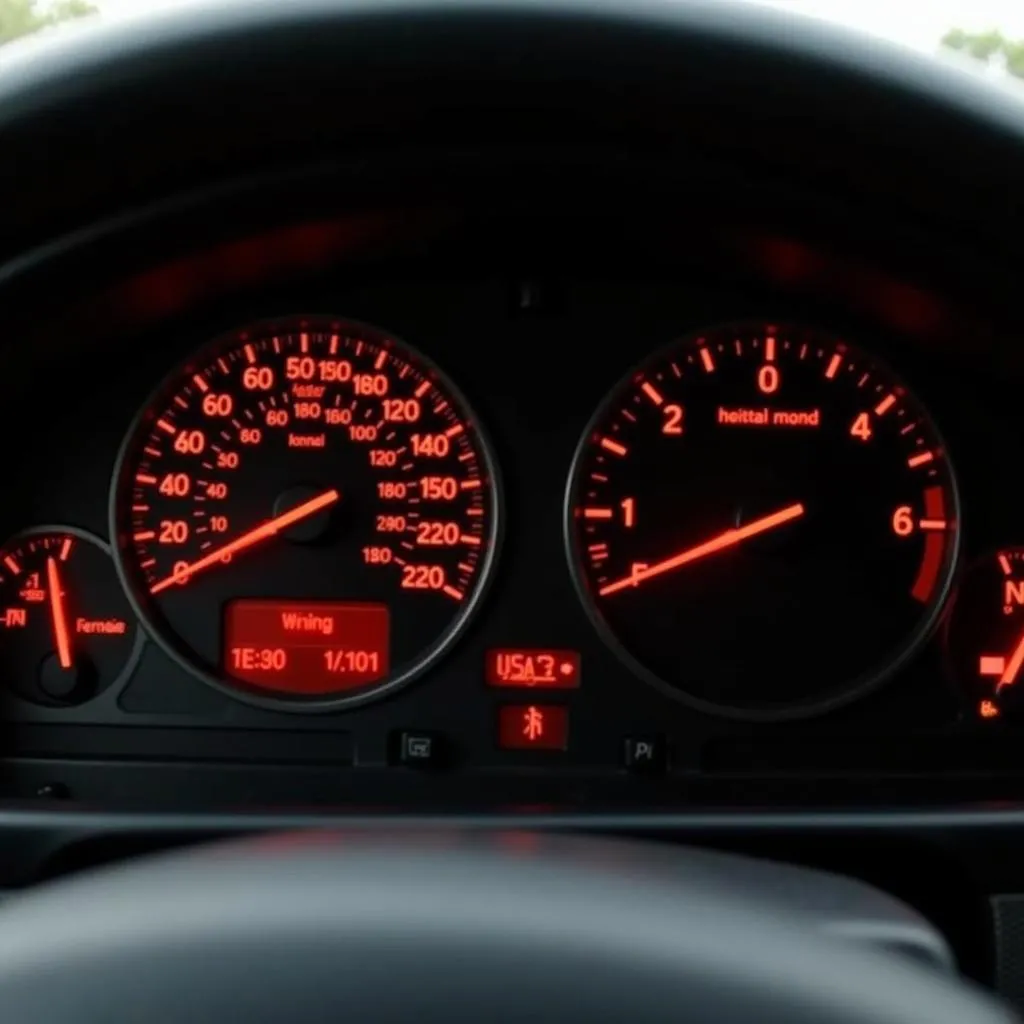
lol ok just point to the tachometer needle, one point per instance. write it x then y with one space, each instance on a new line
724 540
247 540
57 614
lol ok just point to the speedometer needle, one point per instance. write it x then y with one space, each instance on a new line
57 615
724 540
247 540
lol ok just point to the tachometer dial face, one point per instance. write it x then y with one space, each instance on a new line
306 513
762 521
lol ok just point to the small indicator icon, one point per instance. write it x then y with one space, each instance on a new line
533 724
533 727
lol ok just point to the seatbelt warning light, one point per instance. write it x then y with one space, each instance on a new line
533 727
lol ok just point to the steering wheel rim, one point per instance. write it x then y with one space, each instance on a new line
385 928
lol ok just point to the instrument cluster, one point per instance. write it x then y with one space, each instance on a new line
623 534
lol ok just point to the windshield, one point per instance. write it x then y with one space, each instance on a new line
987 35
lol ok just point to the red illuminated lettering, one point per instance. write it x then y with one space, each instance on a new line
352 661
173 531
313 647
423 577
335 370
257 378
175 485
673 423
861 427
545 669
370 384
903 521
383 458
439 488
430 446
190 442
362 433
401 410
768 379
259 659
431 534
217 405
299 368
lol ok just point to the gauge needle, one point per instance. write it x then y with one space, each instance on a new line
57 615
247 540
1009 675
720 543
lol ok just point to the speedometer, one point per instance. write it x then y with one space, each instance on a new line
305 514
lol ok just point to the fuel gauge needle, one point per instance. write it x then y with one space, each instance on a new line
57 614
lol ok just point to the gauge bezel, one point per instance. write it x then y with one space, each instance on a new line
268 700
138 633
832 700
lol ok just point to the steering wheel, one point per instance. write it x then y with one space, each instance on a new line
513 928
301 931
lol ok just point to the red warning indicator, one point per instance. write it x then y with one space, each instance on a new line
533 727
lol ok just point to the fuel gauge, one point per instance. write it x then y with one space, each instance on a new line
985 635
66 629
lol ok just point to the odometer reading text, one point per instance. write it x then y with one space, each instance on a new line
306 648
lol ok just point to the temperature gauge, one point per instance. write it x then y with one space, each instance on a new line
66 630
985 637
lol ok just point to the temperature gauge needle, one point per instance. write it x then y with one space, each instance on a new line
720 543
252 537
1009 676
57 614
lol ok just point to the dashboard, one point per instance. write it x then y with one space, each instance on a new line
579 420
328 511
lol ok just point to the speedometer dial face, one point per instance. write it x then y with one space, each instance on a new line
306 514
762 521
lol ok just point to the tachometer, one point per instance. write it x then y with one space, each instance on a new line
306 513
762 521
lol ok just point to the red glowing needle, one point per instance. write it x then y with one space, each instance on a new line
59 619
247 540
1009 675
724 540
